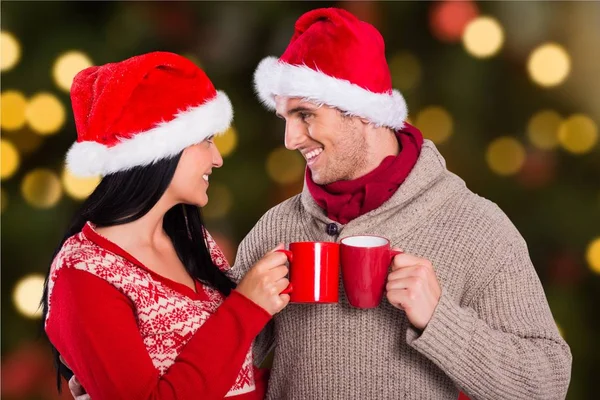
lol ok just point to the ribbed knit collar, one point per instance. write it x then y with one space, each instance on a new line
429 170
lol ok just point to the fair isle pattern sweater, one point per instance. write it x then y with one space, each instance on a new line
167 317
492 335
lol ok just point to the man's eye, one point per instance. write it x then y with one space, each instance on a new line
304 116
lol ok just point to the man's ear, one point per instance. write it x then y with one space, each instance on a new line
365 121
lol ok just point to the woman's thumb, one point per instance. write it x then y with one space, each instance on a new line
280 246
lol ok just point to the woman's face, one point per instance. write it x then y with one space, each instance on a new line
190 182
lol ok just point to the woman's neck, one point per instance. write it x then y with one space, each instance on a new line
146 231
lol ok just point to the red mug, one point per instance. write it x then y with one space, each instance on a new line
365 266
314 272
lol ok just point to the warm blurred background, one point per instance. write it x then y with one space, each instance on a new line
509 91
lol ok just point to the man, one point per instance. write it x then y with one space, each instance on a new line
464 309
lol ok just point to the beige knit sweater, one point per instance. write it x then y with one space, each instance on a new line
491 336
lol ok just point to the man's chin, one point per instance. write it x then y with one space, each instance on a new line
320 177
320 180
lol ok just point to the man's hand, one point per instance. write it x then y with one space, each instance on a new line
413 287
77 391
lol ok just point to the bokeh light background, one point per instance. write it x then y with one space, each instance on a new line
509 91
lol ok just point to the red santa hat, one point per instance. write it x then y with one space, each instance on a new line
337 60
146 108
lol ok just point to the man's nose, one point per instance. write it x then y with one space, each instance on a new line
294 136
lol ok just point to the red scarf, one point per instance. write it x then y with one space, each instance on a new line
344 201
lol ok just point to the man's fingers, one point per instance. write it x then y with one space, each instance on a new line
406 283
77 391
407 260
400 297
397 297
75 387
62 360
405 272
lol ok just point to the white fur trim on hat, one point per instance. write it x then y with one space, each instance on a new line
275 78
165 140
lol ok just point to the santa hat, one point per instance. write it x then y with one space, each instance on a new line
337 60
146 108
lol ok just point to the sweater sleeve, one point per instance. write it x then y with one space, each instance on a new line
94 327
505 344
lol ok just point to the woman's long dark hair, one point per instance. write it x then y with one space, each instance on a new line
126 196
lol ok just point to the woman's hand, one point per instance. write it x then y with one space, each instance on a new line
266 280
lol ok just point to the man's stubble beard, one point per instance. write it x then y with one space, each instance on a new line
349 156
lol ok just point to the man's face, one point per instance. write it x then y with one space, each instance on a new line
333 144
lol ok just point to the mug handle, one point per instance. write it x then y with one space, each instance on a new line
290 257
394 253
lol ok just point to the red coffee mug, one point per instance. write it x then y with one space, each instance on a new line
314 272
365 266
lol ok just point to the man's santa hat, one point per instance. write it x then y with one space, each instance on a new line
337 60
138 111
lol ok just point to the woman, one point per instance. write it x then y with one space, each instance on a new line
137 302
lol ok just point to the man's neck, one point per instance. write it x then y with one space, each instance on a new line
381 143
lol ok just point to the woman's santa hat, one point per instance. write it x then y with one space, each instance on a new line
138 111
337 60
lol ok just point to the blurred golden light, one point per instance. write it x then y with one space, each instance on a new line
406 71
285 166
41 188
542 129
578 134
79 188
67 66
3 200
483 37
435 123
549 65
45 114
448 19
505 156
219 203
227 142
27 295
12 106
10 159
11 51
593 255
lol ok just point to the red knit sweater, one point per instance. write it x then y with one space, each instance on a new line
128 333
